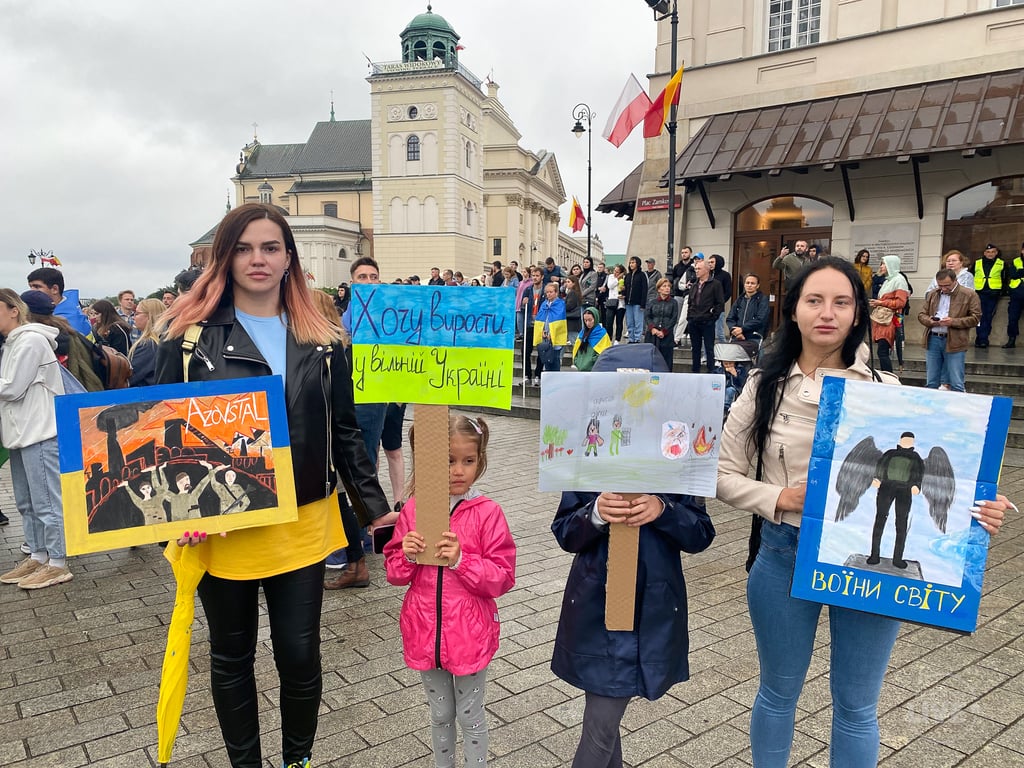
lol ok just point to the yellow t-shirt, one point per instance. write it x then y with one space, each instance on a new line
270 550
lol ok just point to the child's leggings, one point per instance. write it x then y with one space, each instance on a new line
452 697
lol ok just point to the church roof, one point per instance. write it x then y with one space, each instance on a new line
343 145
271 160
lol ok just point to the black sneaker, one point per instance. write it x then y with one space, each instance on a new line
3 520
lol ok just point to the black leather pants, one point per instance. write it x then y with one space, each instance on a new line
293 605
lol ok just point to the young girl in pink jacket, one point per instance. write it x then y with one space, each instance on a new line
449 616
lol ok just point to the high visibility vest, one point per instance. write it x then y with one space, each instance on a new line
995 275
1018 263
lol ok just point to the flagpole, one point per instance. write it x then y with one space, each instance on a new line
671 125
583 112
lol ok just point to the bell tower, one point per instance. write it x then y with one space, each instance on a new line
427 134
429 37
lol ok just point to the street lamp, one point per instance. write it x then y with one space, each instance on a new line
668 9
582 112
40 254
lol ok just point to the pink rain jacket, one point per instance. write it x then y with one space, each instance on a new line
455 626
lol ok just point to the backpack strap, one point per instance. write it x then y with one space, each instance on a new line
188 346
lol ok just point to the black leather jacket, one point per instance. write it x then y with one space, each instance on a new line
318 399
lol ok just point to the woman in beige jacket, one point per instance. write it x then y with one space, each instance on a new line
824 322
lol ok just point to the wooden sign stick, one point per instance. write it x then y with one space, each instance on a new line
620 594
431 468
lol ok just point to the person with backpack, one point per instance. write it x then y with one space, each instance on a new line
109 329
30 379
74 351
251 314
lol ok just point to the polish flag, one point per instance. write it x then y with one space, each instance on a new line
628 112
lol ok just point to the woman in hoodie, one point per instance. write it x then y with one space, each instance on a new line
30 377
591 342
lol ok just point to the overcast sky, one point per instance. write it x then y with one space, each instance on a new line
123 119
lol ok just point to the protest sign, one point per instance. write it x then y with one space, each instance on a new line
141 465
439 345
887 526
629 433
434 346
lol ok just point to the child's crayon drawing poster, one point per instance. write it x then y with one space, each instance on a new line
145 464
636 432
887 524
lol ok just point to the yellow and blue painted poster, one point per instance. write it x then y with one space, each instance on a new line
887 525
437 345
630 432
136 464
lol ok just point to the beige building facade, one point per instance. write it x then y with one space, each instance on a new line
886 124
435 177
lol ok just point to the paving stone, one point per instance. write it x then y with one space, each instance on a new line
104 633
923 752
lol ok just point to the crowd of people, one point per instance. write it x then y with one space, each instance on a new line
247 315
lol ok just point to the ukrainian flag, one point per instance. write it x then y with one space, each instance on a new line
552 315
598 340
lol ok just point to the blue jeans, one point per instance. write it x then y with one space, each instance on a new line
944 366
635 322
370 418
784 630
35 475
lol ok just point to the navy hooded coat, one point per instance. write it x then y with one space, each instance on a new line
653 657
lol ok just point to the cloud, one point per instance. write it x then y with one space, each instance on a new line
126 118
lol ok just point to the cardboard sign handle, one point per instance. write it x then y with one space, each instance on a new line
620 595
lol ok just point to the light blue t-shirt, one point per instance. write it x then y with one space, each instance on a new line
270 335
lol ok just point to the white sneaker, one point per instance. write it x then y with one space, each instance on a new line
47 576
25 548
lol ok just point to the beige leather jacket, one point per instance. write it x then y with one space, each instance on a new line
789 446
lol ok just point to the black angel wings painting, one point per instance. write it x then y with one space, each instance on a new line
897 475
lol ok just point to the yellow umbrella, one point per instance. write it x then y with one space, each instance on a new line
188 569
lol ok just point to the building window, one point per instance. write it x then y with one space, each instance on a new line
793 23
331 209
497 246
986 213
469 214
342 253
1006 3
413 113
469 154
412 148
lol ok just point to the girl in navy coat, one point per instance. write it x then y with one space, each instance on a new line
612 667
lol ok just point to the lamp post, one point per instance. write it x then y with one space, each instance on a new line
668 9
40 254
582 112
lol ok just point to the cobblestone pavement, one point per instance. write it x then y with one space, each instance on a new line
80 663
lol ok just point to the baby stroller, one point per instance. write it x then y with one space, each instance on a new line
735 359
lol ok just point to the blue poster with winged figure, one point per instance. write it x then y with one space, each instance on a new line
887 525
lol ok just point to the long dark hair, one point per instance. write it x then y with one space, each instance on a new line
108 318
787 344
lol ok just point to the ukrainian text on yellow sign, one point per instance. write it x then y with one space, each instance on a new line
432 375
437 345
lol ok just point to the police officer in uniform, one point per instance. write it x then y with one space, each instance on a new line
988 283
